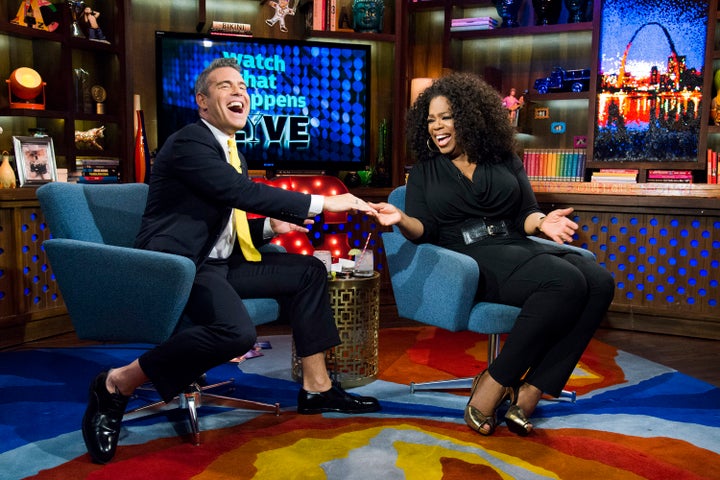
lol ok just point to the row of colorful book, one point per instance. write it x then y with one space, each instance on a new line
565 165
712 167
98 170
473 23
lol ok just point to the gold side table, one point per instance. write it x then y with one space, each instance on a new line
356 306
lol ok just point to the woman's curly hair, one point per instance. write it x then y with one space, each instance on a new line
481 121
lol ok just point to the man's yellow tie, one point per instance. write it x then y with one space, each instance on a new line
241 222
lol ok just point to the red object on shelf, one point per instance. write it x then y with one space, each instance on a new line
26 89
142 152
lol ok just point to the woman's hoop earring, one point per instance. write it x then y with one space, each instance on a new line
434 150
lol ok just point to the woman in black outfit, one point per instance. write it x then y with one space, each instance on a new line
469 192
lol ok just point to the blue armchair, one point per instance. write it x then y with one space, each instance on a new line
117 293
437 286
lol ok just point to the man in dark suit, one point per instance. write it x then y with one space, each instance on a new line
196 197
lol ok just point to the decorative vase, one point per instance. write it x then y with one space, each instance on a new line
368 15
508 11
7 174
142 152
576 10
352 180
547 12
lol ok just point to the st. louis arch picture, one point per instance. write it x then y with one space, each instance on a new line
650 80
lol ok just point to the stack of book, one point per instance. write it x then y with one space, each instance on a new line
712 167
564 165
670 176
99 170
231 29
615 175
473 23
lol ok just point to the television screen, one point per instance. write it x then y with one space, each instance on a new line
309 100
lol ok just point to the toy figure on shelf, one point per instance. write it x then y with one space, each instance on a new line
30 15
513 104
89 22
282 9
88 139
715 110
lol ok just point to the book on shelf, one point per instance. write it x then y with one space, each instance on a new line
319 13
457 22
98 179
470 28
712 167
469 24
670 176
615 175
565 165
331 20
99 170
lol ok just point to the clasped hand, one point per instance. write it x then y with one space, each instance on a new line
332 203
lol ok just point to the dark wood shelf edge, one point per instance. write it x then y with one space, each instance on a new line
531 30
344 35
548 97
635 190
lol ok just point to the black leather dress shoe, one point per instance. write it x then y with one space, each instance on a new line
101 422
335 400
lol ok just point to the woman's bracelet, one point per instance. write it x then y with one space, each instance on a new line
540 222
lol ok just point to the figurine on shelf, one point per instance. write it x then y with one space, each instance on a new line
715 102
513 104
88 139
715 109
76 7
7 174
368 15
282 9
89 22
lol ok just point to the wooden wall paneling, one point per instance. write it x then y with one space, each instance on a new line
664 259
31 306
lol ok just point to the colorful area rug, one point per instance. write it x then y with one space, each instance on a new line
633 419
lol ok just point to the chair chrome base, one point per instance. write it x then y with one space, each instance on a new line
194 397
466 384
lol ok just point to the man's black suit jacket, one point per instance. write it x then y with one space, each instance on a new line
193 190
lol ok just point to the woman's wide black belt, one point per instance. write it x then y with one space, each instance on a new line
478 229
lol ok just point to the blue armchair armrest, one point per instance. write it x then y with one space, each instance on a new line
82 270
572 248
446 279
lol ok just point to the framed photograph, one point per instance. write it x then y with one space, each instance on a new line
542 113
35 160
650 84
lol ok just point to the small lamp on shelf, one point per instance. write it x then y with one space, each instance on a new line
417 86
26 89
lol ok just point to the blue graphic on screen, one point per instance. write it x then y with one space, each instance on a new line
309 100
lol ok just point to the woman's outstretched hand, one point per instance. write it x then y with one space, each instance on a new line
386 214
558 226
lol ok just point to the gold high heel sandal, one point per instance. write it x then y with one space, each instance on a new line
477 420
515 417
